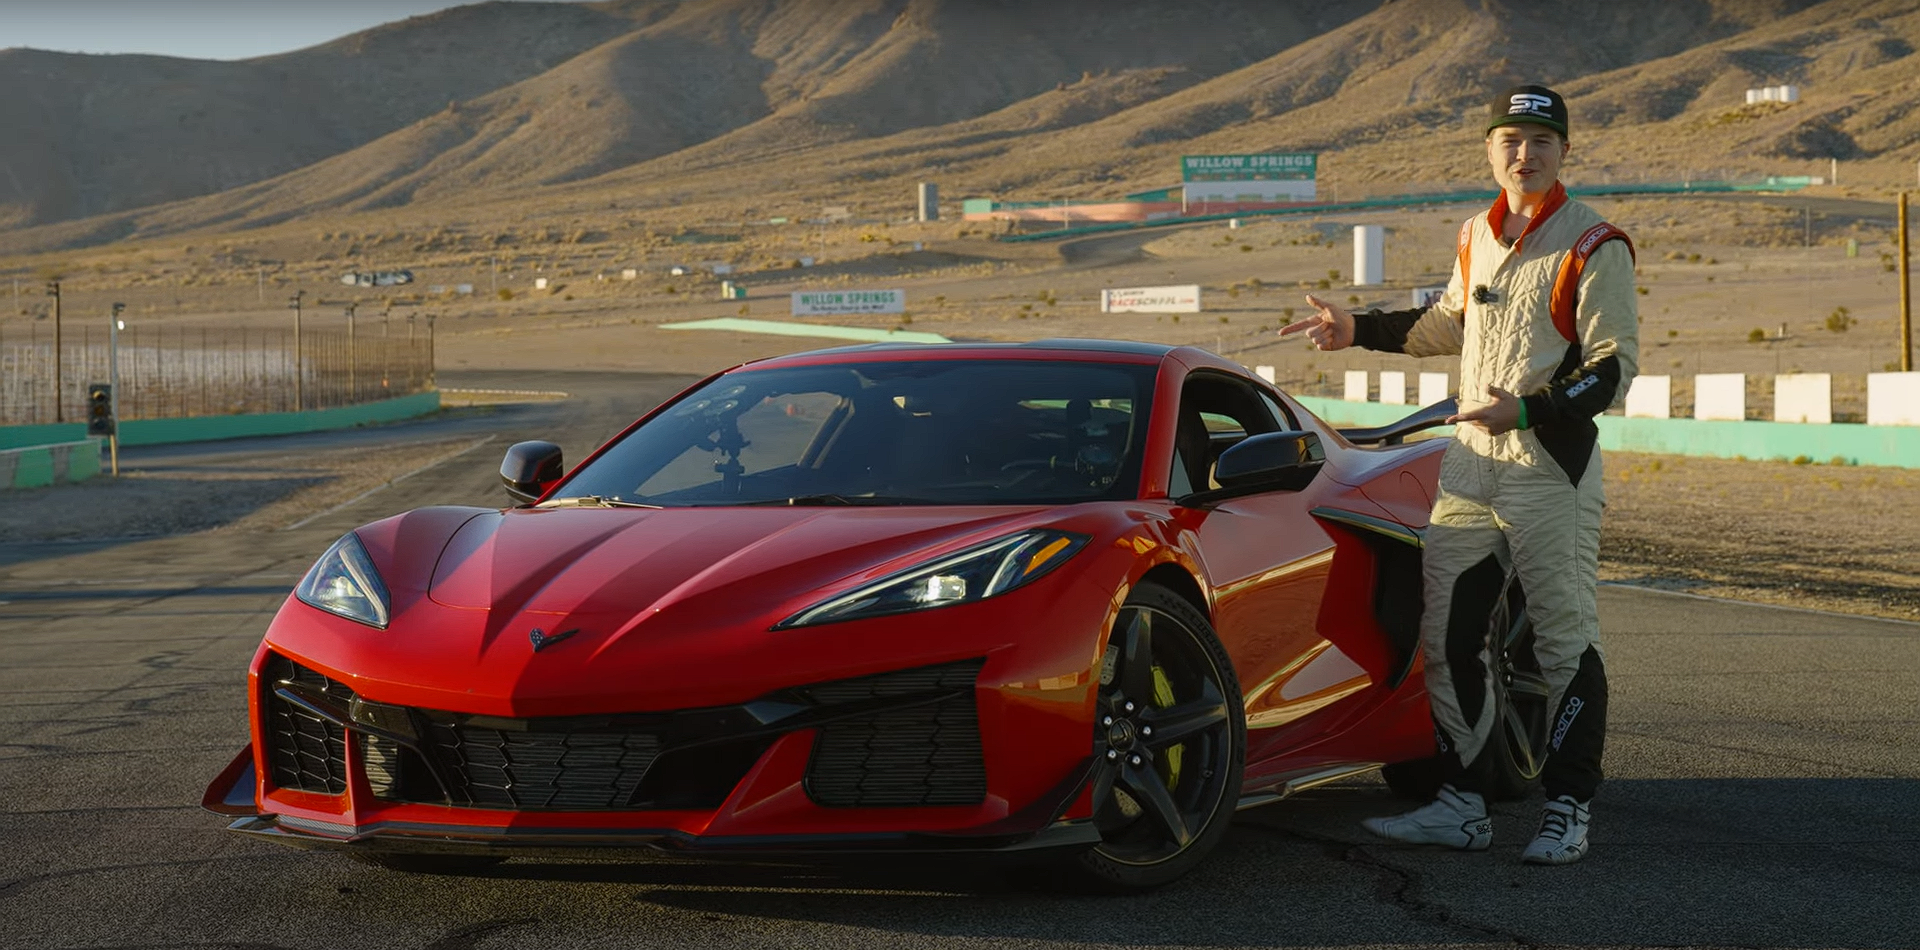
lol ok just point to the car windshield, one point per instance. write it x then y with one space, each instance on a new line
935 432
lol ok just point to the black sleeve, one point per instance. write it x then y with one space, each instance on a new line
1585 392
1385 331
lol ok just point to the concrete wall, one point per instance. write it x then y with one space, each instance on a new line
42 465
1884 445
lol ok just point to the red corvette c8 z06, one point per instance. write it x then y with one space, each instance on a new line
1072 600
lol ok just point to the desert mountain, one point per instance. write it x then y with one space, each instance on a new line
94 134
718 106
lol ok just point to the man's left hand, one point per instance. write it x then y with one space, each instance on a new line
1498 417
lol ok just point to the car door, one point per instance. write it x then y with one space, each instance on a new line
1268 561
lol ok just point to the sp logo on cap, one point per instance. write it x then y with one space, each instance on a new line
1527 103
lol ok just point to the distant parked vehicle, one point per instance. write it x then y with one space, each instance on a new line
378 278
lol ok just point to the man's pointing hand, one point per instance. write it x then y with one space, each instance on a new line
1330 328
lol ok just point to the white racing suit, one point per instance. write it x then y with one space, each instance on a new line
1528 498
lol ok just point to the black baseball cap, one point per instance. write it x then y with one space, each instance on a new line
1536 104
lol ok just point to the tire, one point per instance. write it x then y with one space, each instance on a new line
452 864
1517 749
1161 801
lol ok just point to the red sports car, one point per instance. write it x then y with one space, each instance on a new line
1072 600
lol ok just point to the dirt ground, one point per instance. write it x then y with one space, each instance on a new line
1715 272
232 494
1841 538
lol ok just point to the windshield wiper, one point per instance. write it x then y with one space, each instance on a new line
833 499
591 501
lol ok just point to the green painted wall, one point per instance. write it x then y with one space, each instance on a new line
43 465
14 437
210 428
33 468
1890 446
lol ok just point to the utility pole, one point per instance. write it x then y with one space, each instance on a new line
493 281
59 389
113 381
299 397
1906 296
431 382
353 358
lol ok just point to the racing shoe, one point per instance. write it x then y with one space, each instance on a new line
1455 819
1563 833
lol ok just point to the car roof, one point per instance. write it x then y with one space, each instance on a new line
1092 351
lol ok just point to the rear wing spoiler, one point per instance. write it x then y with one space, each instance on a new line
1393 433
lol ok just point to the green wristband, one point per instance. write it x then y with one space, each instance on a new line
1523 413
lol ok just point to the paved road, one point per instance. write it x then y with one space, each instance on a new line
1765 778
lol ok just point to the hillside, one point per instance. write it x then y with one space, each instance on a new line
97 134
717 109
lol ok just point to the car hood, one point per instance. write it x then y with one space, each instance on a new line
698 565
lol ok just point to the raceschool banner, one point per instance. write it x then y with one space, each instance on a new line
821 303
1184 298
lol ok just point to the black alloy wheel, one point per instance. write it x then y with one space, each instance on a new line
1517 748
1169 743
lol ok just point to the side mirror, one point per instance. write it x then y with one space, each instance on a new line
531 468
1271 460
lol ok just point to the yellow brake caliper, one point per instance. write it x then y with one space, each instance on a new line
1169 764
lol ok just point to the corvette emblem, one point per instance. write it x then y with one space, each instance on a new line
542 640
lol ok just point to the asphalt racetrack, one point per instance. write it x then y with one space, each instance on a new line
1763 792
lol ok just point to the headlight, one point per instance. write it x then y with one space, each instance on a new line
976 573
344 582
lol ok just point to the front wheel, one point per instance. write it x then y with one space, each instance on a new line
1169 741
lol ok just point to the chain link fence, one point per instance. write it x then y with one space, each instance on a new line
173 371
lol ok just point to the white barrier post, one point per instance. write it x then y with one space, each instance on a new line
1356 386
1264 372
1803 397
1433 388
1393 387
1369 255
1650 397
1720 396
1893 399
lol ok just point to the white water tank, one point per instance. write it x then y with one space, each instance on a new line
1369 255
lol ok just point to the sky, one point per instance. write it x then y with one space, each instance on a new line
198 29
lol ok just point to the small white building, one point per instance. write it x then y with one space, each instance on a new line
1773 94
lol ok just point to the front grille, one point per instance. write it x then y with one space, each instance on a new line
539 770
304 752
920 747
926 754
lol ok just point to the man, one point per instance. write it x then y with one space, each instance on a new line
1520 485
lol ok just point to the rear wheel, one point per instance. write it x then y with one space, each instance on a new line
1169 745
1517 747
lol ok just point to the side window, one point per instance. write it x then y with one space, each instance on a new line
1279 410
1216 411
